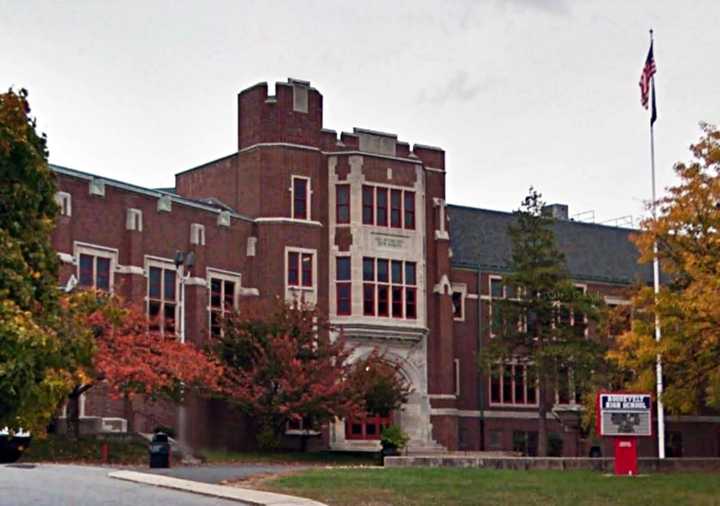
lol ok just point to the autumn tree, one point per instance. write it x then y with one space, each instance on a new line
687 233
379 382
282 364
129 357
33 373
542 322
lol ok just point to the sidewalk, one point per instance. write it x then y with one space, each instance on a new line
241 495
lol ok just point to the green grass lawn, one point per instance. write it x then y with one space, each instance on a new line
55 448
449 487
281 457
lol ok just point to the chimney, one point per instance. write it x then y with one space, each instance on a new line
556 211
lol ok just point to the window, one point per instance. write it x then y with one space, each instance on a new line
525 442
567 391
300 269
162 297
370 427
381 208
342 199
343 285
496 292
409 210
459 290
396 208
64 202
224 289
399 212
95 266
368 201
300 274
94 272
513 384
389 288
495 438
300 198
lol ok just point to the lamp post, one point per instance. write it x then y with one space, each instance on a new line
184 262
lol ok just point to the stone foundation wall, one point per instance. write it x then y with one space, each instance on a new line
646 465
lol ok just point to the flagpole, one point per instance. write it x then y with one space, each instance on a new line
656 283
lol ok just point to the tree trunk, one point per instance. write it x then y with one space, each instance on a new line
542 420
72 417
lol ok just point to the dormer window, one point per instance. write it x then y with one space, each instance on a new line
300 198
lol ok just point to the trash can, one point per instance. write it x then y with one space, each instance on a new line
160 451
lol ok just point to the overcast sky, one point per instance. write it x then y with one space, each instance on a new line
518 92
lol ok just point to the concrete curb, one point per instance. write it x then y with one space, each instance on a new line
243 495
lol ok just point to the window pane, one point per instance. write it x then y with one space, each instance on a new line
457 304
397 302
153 315
495 388
397 272
382 270
343 204
369 299
229 296
169 284
409 273
519 384
396 208
368 204
382 207
410 303
496 288
86 271
507 384
215 323
300 198
102 280
169 317
343 298
215 293
343 268
154 281
383 293
307 269
409 209
293 273
368 269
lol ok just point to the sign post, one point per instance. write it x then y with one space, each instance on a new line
624 417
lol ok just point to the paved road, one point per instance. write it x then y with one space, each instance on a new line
66 485
218 473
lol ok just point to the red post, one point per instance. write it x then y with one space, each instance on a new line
104 452
626 460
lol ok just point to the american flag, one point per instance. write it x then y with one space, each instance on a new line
646 77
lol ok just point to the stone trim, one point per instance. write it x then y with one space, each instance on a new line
287 221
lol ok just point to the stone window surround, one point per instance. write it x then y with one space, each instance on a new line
308 197
97 251
223 275
165 264
460 288
64 201
308 293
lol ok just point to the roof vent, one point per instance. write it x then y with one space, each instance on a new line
556 211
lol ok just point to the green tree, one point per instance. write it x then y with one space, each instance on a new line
687 232
32 371
543 321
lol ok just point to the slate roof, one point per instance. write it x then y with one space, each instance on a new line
479 239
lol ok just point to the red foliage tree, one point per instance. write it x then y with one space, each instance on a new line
285 363
130 358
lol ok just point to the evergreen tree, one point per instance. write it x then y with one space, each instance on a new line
542 322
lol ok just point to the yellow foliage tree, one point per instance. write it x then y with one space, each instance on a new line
687 231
